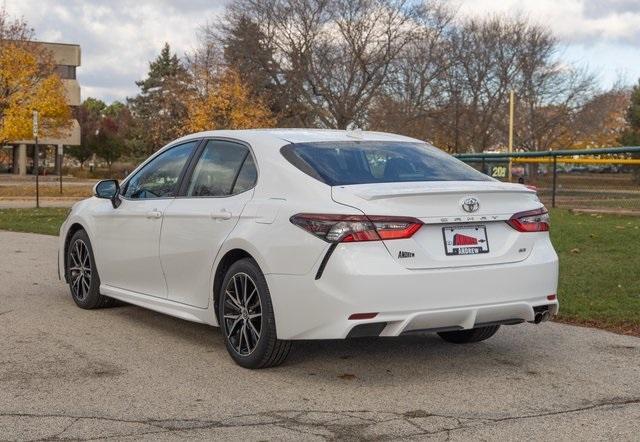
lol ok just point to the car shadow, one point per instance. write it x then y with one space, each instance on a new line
366 360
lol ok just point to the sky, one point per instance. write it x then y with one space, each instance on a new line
120 37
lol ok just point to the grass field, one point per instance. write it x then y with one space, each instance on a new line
599 269
45 220
599 263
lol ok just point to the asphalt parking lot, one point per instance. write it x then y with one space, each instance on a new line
129 373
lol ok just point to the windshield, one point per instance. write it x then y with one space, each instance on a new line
364 162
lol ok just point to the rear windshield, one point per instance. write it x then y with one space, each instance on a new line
364 162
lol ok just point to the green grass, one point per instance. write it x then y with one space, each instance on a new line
45 220
599 263
599 269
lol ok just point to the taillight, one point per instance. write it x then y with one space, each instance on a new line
354 228
530 221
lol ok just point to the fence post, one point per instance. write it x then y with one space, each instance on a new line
555 174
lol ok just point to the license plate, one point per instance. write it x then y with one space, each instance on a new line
465 240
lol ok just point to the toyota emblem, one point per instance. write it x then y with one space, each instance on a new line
470 205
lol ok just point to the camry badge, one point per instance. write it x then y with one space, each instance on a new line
470 205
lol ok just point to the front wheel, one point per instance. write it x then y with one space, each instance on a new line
247 320
469 336
82 274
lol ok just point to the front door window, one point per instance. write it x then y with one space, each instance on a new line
159 178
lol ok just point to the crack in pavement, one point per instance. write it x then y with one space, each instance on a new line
59 433
328 425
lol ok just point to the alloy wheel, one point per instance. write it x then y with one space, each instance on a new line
242 314
80 270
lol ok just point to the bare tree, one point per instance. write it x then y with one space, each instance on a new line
335 55
462 102
414 94
403 66
601 121
14 29
204 65
550 93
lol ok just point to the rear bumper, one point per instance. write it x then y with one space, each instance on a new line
363 278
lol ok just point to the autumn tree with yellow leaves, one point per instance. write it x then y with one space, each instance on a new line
27 83
197 94
227 104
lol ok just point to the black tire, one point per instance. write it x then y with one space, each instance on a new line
249 328
82 274
469 336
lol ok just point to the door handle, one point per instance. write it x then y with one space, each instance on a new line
154 214
223 214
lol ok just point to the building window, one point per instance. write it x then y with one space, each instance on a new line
66 72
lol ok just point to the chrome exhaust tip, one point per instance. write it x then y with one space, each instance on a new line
541 316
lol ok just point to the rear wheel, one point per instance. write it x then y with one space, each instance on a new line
82 274
469 336
247 320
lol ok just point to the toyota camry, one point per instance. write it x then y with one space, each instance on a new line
279 235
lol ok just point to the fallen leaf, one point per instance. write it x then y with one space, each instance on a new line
576 250
347 376
416 414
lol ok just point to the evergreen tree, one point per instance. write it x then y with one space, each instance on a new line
160 107
248 53
245 51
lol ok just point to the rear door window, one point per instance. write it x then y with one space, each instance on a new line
246 177
221 170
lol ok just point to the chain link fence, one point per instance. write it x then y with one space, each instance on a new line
598 179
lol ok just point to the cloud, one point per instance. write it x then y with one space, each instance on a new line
601 34
588 22
118 38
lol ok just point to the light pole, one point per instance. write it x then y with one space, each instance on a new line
36 155
60 160
511 112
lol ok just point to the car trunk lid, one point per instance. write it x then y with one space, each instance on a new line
439 205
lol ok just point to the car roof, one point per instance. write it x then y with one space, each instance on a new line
285 136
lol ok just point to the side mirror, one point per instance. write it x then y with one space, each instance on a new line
107 189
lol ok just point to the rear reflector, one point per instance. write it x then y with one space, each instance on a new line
355 228
552 297
363 316
530 221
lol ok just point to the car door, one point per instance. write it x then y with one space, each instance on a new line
197 222
128 236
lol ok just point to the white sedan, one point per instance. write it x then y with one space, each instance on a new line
287 234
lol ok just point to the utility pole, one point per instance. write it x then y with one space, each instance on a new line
36 155
60 157
511 112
